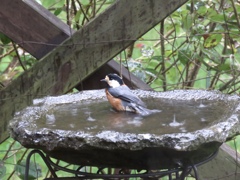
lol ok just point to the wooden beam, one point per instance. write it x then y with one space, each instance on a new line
32 27
28 26
83 53
129 79
224 166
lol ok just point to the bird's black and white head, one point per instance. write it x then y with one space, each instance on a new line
113 80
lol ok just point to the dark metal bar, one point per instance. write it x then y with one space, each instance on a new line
194 167
35 151
185 170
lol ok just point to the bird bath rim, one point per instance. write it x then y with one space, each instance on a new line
51 141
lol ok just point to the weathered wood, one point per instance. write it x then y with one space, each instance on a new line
83 53
38 31
224 166
94 80
31 26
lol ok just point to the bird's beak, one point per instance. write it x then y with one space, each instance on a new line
103 80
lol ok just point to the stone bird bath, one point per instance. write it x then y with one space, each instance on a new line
82 129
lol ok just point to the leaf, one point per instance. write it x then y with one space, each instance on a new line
158 58
212 12
5 40
184 55
77 16
151 72
211 54
4 63
217 18
57 11
212 40
187 22
223 67
237 7
35 170
237 57
202 10
234 33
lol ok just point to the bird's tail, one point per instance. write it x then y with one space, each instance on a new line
146 112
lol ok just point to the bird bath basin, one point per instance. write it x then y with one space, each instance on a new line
82 129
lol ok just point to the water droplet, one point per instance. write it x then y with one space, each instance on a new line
50 119
202 106
174 123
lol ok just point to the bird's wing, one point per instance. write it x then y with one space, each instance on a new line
124 93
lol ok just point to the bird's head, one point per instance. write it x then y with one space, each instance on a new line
113 80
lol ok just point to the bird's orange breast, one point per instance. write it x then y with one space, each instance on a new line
115 102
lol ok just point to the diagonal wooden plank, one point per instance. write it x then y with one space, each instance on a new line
38 31
224 166
87 50
113 67
31 26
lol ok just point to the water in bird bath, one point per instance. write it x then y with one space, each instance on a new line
175 117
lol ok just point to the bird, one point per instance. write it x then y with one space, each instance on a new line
122 98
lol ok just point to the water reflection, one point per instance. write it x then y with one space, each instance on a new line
175 116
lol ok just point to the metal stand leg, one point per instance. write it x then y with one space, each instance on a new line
44 159
178 173
184 173
194 168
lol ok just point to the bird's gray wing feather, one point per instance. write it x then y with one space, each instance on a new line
125 94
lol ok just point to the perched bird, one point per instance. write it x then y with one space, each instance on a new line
121 97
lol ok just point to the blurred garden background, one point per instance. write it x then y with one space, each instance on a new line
196 47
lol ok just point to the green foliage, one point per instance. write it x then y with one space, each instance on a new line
2 169
212 40
34 170
201 44
4 39
234 143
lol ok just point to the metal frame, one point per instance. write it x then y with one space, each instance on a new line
178 173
